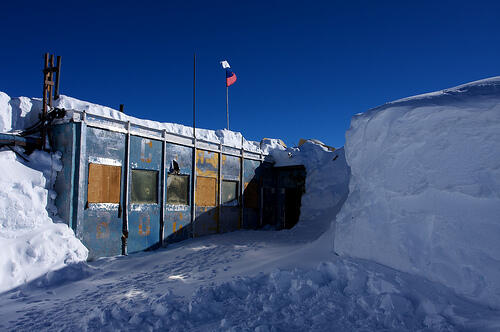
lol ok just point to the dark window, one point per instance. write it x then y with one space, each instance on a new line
104 184
229 191
177 189
144 187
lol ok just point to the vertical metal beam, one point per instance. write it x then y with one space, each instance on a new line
219 191
125 189
45 73
261 194
227 106
58 76
163 186
80 176
242 185
46 76
193 166
51 75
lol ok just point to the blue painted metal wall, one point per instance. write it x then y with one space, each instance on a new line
144 218
178 216
100 228
230 212
63 138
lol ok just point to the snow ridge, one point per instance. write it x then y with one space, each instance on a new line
425 188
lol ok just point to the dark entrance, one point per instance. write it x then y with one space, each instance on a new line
282 190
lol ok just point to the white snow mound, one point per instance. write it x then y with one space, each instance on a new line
425 188
32 244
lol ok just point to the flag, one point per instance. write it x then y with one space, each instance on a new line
230 77
225 64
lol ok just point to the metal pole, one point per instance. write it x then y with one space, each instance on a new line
194 95
162 186
58 76
227 106
45 101
193 159
242 185
126 169
219 189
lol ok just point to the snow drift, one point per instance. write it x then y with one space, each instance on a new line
425 188
32 244
327 185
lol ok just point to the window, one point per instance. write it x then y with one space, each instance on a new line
229 191
144 187
177 189
104 183
206 191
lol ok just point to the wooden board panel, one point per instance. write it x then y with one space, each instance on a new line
104 183
206 191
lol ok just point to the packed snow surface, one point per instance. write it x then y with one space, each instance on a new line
425 188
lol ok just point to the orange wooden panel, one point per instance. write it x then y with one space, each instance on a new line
206 191
104 183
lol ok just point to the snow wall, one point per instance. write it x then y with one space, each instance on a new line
424 194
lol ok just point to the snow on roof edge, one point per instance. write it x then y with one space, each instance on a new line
224 136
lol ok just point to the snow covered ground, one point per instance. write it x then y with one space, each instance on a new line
292 279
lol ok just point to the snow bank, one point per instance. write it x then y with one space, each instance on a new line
18 113
327 184
31 242
425 188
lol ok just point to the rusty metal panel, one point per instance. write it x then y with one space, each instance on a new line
103 183
100 227
179 161
207 163
207 212
145 153
144 211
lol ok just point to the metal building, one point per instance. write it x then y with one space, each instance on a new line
125 188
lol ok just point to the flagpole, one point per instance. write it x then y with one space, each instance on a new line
194 95
227 106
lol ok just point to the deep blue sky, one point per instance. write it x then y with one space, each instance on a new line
304 67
